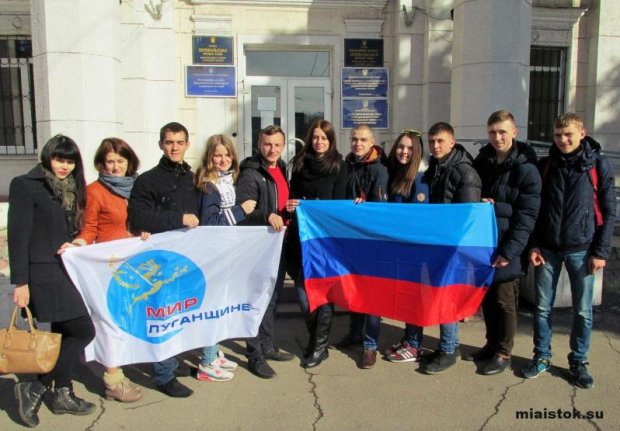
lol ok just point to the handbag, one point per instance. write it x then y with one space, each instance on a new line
27 351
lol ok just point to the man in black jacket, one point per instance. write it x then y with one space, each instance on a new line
510 181
575 225
367 181
162 199
452 179
263 179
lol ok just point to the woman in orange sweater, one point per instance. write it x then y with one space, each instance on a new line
105 219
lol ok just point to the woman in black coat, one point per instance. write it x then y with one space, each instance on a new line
46 208
318 173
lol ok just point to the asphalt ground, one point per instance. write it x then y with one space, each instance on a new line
338 395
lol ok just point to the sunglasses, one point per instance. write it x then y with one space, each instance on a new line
412 131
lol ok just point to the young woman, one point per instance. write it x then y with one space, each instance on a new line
407 185
105 219
215 178
46 210
318 173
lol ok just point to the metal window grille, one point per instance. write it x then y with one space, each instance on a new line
17 115
547 84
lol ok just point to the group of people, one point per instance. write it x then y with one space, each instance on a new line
557 210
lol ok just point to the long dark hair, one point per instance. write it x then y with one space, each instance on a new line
331 158
402 176
63 147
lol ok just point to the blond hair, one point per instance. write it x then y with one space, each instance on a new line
207 172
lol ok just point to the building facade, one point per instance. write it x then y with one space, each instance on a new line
124 68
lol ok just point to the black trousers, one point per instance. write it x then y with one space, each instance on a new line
263 342
76 335
500 306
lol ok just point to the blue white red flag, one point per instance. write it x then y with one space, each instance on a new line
177 291
423 264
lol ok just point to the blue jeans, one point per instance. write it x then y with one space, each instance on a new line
372 325
582 290
209 354
448 336
163 371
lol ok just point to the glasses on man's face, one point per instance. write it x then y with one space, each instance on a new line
412 131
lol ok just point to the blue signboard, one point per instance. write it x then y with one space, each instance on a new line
217 50
365 82
210 81
372 112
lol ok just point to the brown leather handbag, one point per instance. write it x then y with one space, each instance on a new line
27 351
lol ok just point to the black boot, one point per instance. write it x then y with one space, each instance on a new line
65 401
29 398
310 319
321 339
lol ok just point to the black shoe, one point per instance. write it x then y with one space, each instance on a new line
441 362
578 371
315 358
29 398
65 401
175 389
347 341
183 370
496 366
278 355
259 367
484 354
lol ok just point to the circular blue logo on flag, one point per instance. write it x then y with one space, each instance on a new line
152 294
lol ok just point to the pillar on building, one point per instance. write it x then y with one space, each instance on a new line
603 87
75 71
490 64
150 76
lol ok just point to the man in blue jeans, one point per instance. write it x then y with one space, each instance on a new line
451 178
574 227
162 199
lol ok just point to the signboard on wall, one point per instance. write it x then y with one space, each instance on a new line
214 50
373 112
365 92
363 52
210 81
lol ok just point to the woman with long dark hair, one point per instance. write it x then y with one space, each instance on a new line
46 210
406 184
319 172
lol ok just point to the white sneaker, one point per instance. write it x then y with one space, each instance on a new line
224 363
213 373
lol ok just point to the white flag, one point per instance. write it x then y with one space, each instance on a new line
175 292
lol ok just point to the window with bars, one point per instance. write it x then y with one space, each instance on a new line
17 125
547 84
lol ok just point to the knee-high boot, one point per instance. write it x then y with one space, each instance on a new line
310 319
321 336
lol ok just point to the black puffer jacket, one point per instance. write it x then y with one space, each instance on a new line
514 185
367 179
453 180
256 183
161 196
567 221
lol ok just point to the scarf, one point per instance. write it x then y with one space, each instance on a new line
224 184
118 185
64 190
372 155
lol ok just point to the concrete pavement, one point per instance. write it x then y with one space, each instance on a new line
339 395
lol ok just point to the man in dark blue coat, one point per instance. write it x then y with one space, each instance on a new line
510 181
576 221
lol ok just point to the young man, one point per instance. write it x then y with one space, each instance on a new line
575 225
263 179
452 179
162 199
510 181
366 181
